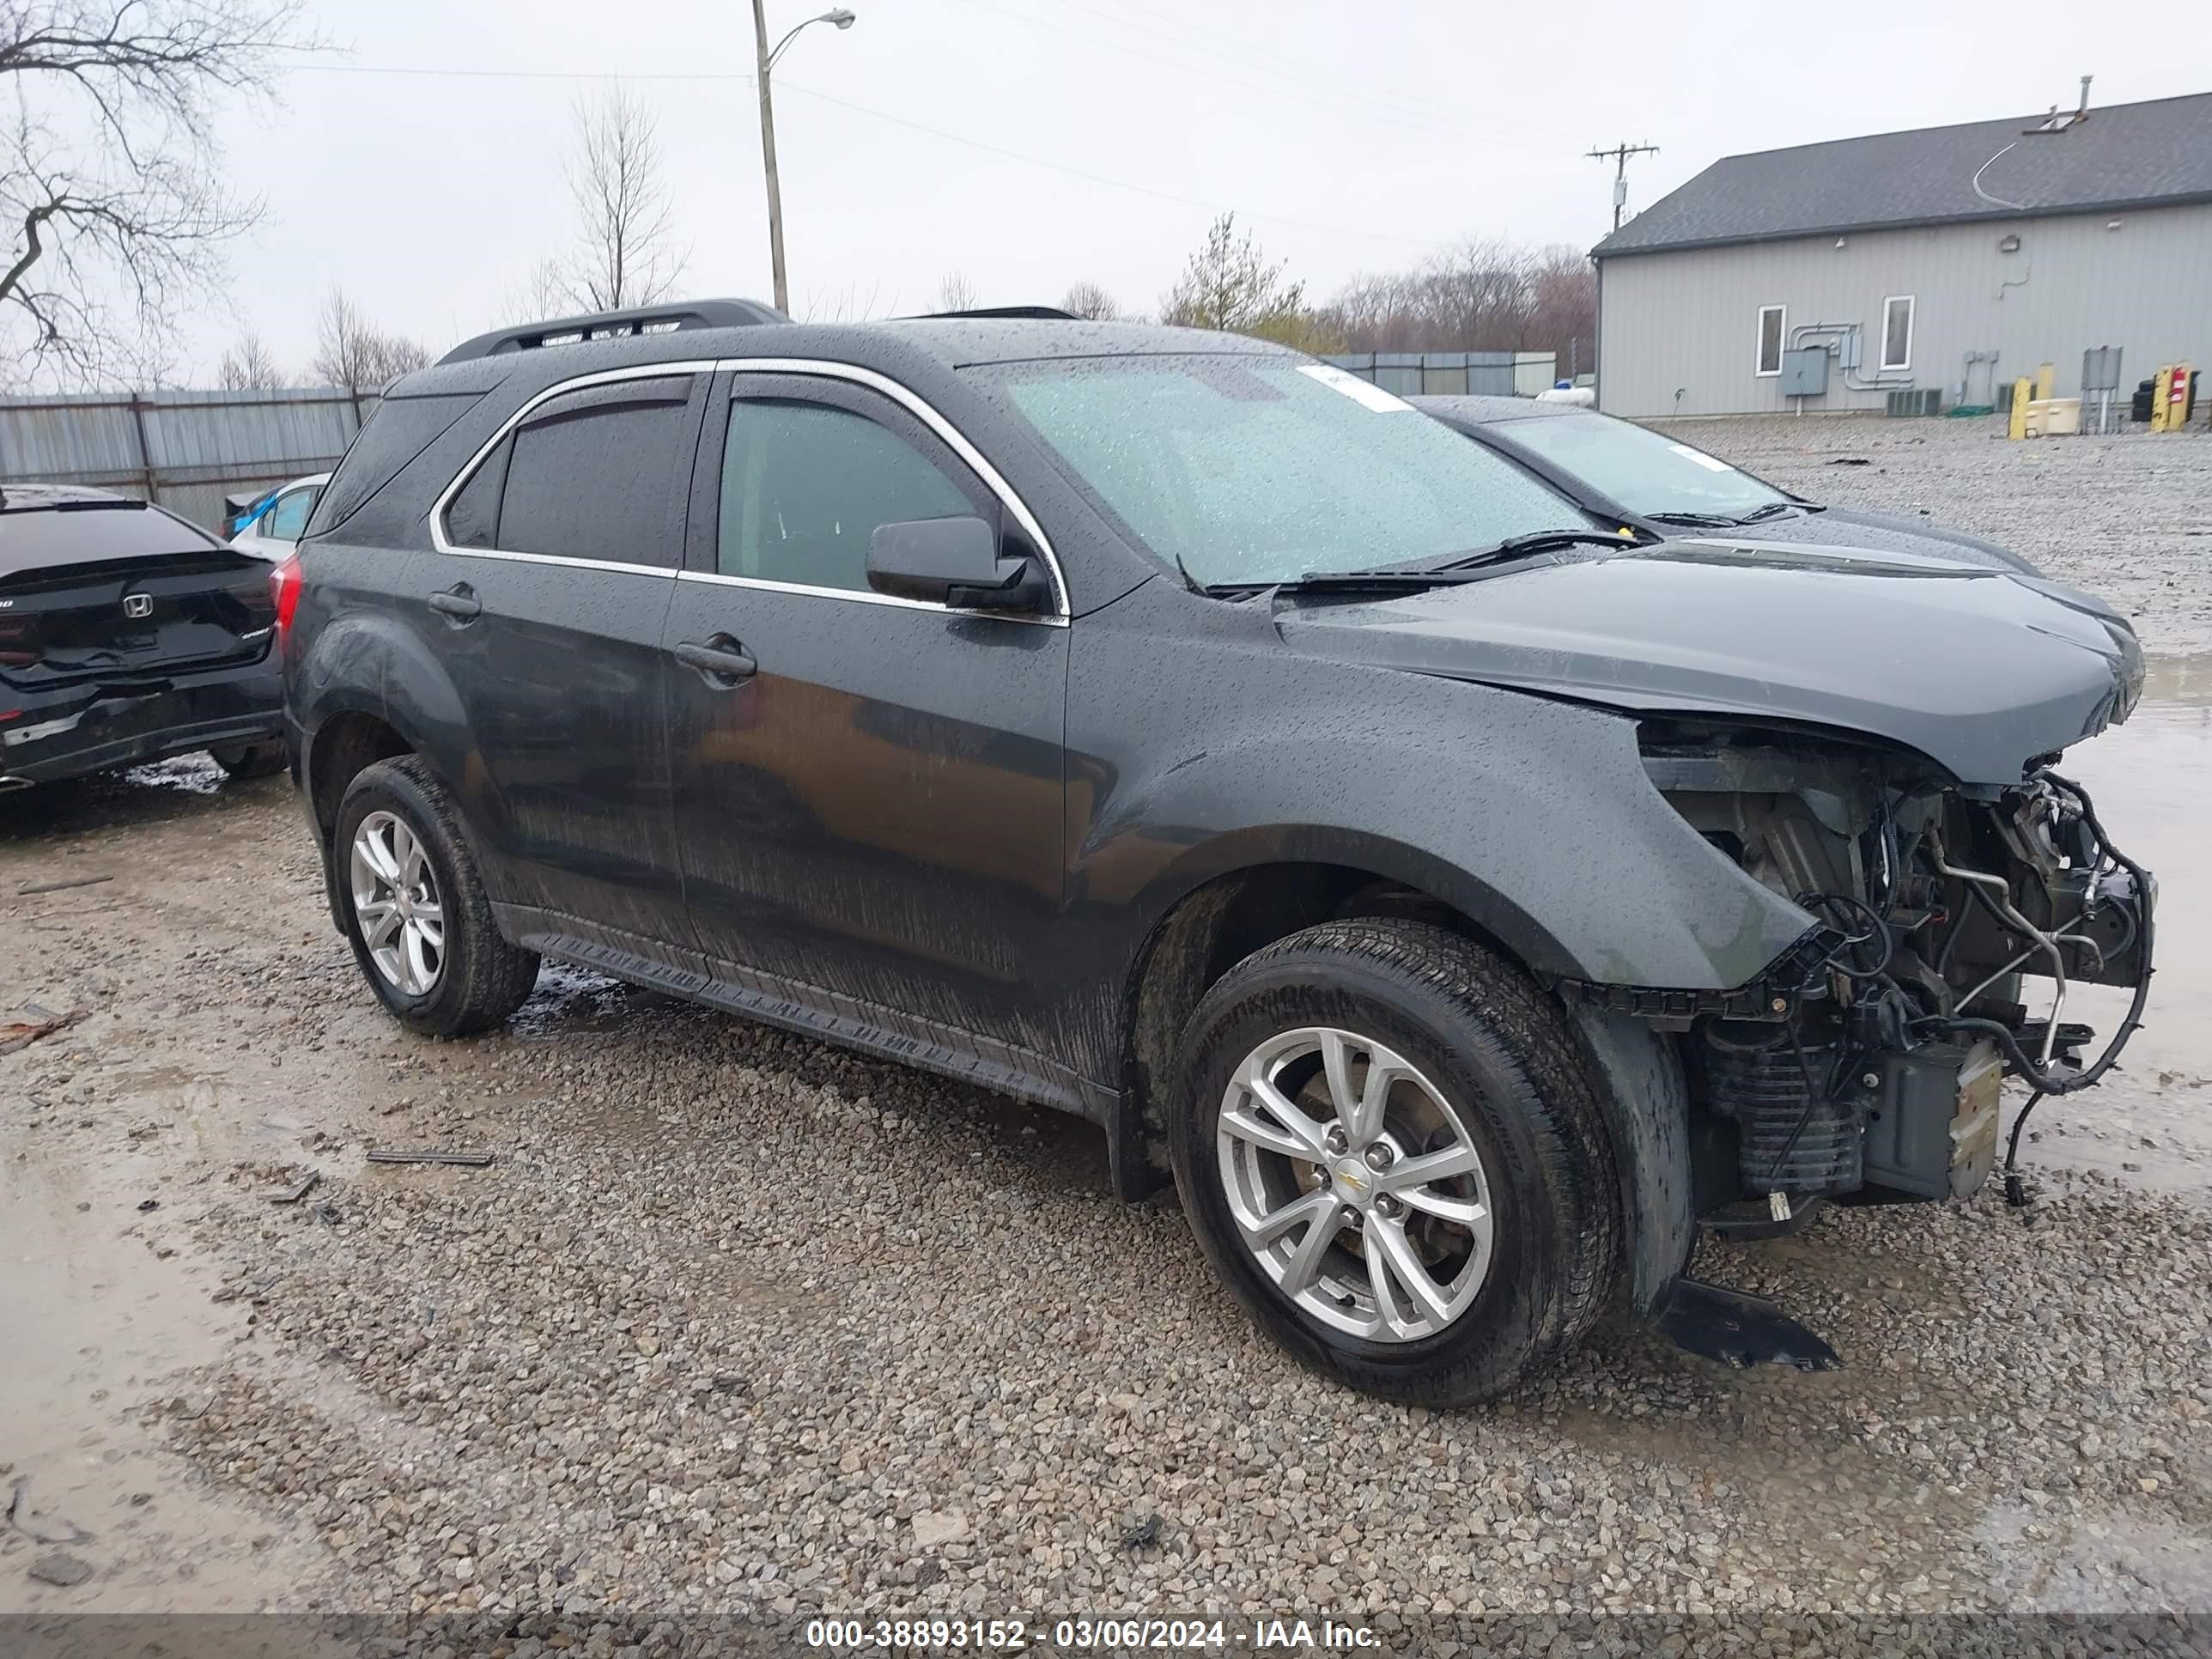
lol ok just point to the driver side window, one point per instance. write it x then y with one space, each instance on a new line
805 485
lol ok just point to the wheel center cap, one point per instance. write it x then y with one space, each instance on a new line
1355 1181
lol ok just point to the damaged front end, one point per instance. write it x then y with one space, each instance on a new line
1869 1069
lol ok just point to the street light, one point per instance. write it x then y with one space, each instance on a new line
841 18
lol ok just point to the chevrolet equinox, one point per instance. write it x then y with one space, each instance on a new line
1460 900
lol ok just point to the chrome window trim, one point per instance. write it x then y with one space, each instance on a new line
852 374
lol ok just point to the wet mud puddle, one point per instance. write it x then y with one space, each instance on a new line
104 1313
2150 1123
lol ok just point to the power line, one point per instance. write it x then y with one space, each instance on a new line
1306 69
783 85
1334 102
1101 179
1619 155
515 74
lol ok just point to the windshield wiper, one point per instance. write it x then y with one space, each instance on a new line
1768 511
1407 579
1344 581
1695 520
1536 541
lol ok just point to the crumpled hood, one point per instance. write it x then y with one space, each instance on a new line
1977 669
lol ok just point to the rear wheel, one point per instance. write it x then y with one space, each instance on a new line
417 912
1392 1153
251 760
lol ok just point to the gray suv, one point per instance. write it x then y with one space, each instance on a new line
1459 901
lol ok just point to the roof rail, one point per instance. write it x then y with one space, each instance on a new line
617 324
1037 313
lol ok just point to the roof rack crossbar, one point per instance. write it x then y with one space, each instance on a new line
1040 314
617 324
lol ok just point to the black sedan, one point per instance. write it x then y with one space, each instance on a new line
1647 481
127 634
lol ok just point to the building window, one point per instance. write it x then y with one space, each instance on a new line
1770 338
1897 332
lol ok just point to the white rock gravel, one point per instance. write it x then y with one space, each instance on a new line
2128 516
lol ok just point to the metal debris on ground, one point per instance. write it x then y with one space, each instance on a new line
327 1214
464 1160
60 886
22 1033
1141 1532
294 1194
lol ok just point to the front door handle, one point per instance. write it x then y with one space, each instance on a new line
458 604
721 660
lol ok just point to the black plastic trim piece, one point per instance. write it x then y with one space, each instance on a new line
1753 999
606 324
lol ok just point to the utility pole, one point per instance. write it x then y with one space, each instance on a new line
768 159
1618 155
839 18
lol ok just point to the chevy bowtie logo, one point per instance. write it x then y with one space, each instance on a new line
137 605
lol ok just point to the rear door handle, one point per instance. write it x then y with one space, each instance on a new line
458 602
721 660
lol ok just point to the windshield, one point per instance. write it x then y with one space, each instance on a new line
1643 470
1264 468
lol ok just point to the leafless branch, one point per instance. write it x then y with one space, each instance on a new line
249 366
624 253
1089 300
109 173
352 352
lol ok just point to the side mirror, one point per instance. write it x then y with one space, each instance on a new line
953 561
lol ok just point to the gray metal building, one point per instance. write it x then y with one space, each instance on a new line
1825 277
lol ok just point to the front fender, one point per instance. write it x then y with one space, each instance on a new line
1533 817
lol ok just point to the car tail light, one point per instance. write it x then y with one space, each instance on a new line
284 592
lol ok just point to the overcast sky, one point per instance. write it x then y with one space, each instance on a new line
1350 136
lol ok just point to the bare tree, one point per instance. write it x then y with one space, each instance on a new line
956 293
110 178
541 296
1087 299
1229 284
1481 295
248 366
625 253
352 352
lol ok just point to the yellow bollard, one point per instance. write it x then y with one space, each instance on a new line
2022 390
2160 386
2046 380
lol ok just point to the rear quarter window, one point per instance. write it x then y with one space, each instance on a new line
396 431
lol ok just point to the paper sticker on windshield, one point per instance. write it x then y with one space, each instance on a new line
1365 393
1700 457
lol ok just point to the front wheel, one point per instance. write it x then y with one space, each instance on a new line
417 912
1392 1153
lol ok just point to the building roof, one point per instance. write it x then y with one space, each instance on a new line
2125 155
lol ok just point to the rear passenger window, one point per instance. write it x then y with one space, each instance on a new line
472 517
593 474
805 485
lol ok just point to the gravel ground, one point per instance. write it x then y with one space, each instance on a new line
740 1327
2129 516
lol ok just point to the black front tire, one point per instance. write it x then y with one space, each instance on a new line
1502 1053
482 978
251 760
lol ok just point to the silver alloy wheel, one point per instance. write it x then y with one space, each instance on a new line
1356 1184
396 902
